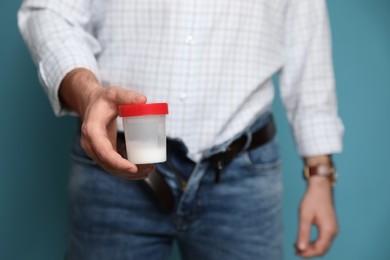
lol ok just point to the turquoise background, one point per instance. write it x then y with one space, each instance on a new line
35 145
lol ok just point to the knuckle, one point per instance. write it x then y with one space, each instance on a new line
85 139
85 131
84 143
112 92
329 230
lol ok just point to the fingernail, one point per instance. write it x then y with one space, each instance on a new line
301 246
140 98
133 170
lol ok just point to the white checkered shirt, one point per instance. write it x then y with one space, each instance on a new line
211 60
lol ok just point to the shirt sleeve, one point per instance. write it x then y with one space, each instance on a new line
59 35
307 83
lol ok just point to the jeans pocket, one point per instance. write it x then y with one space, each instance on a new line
264 158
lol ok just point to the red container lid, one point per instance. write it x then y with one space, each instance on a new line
143 109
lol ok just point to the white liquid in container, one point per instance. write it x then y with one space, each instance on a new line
139 154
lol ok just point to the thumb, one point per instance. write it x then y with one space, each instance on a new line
122 96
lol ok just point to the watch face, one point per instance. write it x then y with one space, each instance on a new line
324 170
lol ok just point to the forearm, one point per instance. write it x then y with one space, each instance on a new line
77 88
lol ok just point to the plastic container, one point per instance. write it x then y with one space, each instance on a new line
144 126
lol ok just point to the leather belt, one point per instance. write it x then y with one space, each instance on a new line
259 137
218 161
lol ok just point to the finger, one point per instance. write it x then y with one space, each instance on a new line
314 250
323 243
146 168
87 148
305 222
102 150
106 155
325 238
122 96
112 133
308 252
114 162
143 171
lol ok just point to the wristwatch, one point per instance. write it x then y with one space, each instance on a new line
325 170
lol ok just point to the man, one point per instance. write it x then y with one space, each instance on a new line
212 61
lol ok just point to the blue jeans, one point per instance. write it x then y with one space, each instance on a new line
237 218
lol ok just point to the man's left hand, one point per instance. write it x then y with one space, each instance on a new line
316 209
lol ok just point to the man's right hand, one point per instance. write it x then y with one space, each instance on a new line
97 107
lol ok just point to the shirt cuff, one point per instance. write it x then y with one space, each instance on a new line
54 67
322 136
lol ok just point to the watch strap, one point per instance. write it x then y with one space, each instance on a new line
325 170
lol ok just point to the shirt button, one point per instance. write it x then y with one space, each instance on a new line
190 40
183 97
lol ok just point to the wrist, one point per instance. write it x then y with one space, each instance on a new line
320 170
318 160
77 89
318 181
